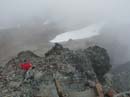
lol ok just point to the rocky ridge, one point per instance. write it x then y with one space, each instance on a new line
84 65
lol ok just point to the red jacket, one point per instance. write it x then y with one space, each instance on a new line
26 66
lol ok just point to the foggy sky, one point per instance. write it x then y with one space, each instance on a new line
70 12
74 14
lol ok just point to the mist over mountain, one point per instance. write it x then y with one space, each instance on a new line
32 24
38 36
115 38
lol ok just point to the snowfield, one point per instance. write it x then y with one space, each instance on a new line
86 32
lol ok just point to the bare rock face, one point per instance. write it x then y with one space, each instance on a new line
59 63
99 59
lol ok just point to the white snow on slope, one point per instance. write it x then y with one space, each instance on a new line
86 32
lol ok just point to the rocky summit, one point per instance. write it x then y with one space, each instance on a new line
75 69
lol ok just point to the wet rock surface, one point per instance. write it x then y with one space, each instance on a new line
68 66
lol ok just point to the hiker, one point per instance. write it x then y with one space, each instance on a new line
26 65
28 71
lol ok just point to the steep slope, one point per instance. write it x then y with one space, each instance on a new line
59 63
121 77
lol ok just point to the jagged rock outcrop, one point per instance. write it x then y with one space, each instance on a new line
99 59
59 63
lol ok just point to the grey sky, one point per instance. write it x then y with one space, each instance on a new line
69 11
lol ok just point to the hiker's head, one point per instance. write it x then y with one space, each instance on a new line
25 60
33 67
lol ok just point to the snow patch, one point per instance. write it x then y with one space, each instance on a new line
87 32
